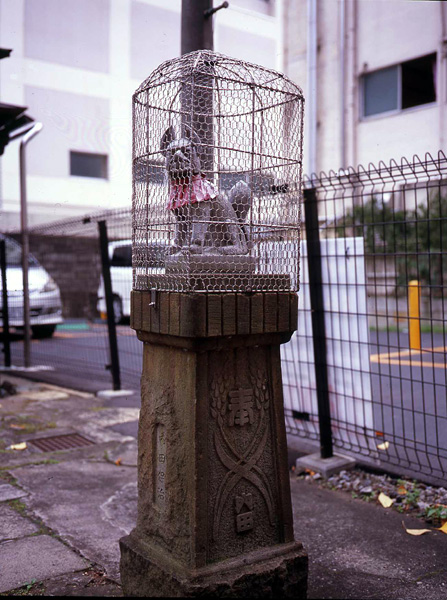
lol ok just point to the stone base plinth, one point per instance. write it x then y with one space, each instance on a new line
214 510
280 571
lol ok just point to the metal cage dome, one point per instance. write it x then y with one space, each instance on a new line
217 174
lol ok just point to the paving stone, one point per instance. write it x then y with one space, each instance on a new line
10 492
13 525
71 501
130 428
39 557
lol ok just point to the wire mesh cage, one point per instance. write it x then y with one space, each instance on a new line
217 170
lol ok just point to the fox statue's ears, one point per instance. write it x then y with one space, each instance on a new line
169 136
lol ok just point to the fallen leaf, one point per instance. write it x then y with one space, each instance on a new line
17 426
118 461
21 446
383 446
309 471
443 528
401 490
385 500
415 531
379 433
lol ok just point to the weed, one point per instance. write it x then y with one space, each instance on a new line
26 425
412 496
8 478
18 506
436 513
33 588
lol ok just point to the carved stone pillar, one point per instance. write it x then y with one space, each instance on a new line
214 508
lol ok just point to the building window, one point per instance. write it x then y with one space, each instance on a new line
87 164
411 83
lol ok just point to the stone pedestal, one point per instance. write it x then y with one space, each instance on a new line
214 509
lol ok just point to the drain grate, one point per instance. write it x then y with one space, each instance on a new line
61 442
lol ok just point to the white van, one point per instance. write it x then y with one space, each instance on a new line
120 257
44 293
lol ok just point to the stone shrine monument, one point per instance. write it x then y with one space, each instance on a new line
216 222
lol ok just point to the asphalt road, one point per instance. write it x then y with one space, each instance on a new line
399 395
78 356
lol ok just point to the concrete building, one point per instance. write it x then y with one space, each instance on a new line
374 77
373 73
75 65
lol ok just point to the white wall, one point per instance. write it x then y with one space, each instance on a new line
384 32
82 25
76 64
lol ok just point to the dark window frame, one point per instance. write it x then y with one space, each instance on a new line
399 108
80 154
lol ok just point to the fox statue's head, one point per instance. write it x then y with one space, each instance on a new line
180 152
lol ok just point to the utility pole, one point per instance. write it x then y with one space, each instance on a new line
197 34
25 239
197 30
197 25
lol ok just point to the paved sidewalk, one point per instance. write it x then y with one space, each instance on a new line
62 512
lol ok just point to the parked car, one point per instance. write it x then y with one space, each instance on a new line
44 293
120 257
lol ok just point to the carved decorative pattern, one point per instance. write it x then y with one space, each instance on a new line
241 464
244 517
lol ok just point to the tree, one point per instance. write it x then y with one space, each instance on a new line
416 239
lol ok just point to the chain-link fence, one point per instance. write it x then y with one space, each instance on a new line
74 343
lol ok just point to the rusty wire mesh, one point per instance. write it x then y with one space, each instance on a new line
217 169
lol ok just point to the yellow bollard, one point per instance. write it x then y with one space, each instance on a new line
414 329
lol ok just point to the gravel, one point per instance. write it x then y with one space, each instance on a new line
410 496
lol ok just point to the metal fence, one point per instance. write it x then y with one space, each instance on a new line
366 371
367 366
77 339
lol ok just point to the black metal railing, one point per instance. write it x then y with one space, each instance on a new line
382 249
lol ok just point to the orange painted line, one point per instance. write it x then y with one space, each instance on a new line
408 363
59 334
395 358
399 353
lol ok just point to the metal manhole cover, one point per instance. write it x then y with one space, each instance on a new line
61 442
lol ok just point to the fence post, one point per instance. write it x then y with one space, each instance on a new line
414 316
5 308
318 324
111 325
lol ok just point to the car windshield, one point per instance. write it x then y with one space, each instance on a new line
14 254
122 256
155 256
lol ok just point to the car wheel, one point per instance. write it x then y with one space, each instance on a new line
118 309
43 331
